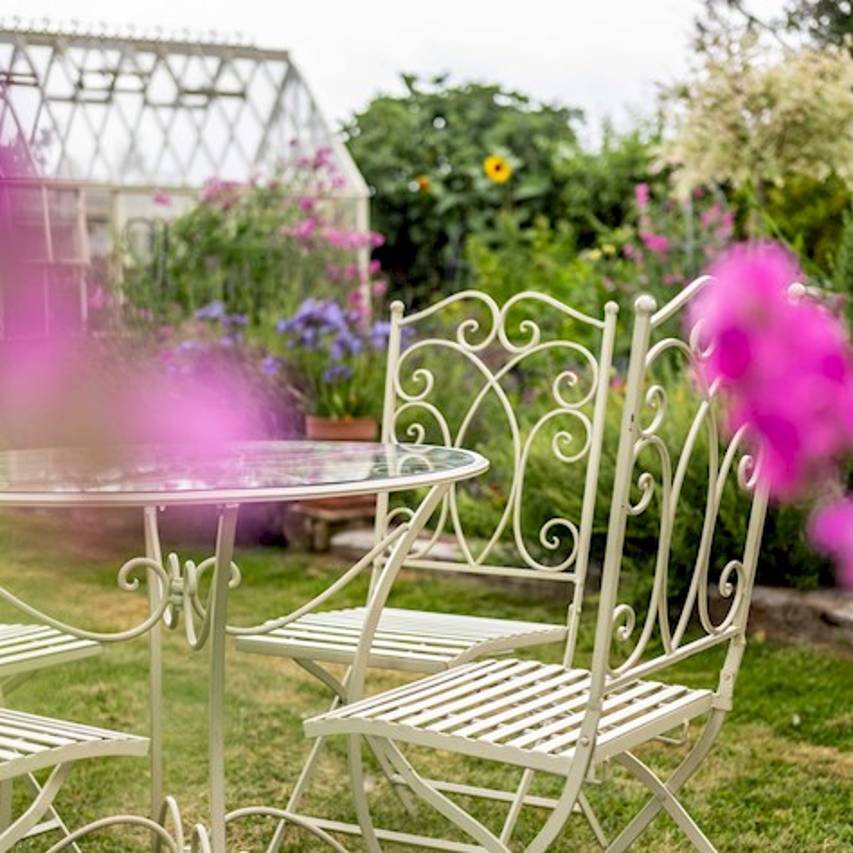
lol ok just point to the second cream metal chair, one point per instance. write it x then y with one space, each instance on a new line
564 720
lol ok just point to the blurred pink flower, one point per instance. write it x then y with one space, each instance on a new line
303 230
223 193
379 287
831 531
97 298
726 225
641 195
711 215
357 302
656 243
342 238
786 366
161 198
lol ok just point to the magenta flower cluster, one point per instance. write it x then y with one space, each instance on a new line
786 367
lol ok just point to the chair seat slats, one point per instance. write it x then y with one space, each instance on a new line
29 742
523 712
28 647
407 639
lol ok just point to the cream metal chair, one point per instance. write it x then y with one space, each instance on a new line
29 743
24 650
566 721
493 347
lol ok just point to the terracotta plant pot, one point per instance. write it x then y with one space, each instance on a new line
342 429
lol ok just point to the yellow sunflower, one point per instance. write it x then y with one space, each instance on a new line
497 169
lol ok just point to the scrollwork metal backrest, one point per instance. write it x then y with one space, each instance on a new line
493 350
666 445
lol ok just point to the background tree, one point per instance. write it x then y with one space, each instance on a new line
775 130
822 22
442 160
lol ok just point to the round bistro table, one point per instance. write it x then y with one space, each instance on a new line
153 478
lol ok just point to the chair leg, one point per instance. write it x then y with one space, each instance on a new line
359 794
515 809
33 785
442 804
592 820
302 782
664 798
665 793
307 772
19 828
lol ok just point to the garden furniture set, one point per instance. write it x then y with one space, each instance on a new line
462 689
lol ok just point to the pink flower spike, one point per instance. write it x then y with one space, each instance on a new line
831 532
302 230
656 243
642 195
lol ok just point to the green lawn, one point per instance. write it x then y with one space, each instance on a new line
780 777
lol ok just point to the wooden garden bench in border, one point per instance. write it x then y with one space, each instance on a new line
562 720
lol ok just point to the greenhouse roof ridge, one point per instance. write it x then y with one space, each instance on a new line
47 31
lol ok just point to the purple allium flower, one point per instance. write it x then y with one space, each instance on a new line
379 333
270 365
345 344
235 321
212 311
337 373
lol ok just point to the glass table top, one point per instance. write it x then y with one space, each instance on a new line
229 473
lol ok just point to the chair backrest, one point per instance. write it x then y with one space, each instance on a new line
526 384
667 446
